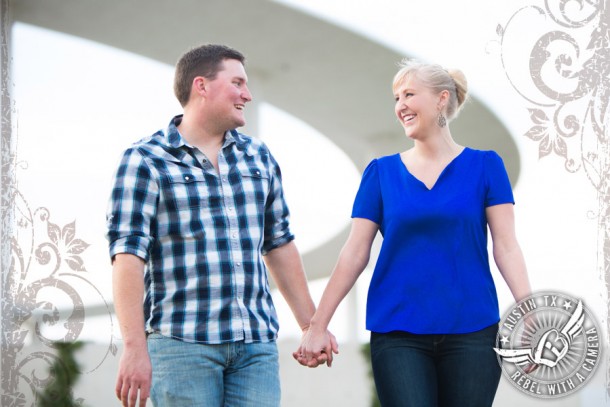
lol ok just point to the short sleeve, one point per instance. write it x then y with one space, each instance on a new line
277 228
132 207
499 190
368 203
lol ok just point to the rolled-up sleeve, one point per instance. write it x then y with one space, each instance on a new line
132 207
277 225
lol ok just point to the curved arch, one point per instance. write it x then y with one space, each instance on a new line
333 79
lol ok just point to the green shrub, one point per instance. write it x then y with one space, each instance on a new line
64 373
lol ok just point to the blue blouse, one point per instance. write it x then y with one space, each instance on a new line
432 275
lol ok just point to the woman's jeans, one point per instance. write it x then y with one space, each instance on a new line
227 375
458 370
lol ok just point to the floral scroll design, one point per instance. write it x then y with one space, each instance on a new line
569 67
43 301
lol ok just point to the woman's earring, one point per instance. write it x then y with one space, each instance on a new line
441 120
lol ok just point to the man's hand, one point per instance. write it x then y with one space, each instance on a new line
134 378
316 348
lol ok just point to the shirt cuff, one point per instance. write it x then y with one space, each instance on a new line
277 242
135 245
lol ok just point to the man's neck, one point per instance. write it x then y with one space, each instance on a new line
198 132
200 136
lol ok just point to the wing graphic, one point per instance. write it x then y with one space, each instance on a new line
516 356
574 325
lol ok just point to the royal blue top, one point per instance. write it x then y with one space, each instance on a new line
432 275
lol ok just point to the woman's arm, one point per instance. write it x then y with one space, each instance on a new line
353 259
506 250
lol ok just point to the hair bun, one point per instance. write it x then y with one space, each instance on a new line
461 85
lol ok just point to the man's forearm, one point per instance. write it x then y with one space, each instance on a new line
128 293
286 267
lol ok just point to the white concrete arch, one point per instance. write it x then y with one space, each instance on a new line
333 79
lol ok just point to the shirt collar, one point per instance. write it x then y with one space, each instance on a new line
175 139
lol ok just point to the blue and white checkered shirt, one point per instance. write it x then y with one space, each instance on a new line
202 234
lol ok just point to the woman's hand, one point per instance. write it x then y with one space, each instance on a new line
317 347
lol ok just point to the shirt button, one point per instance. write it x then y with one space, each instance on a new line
238 264
186 178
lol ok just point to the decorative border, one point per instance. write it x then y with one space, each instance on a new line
42 270
46 287
569 67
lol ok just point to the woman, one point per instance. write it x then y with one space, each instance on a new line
432 307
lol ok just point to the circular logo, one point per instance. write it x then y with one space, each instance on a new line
548 345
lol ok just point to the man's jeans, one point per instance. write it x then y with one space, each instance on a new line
436 370
227 375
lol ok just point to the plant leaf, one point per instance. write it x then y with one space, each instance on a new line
78 246
545 147
76 263
538 116
537 133
69 232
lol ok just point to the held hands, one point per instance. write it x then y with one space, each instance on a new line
317 347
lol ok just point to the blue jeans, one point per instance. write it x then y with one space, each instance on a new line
227 375
458 370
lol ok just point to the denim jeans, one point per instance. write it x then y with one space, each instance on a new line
458 370
227 375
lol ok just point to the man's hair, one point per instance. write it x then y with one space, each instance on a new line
205 60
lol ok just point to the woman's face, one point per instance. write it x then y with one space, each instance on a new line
416 108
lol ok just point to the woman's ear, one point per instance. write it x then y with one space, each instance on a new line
443 99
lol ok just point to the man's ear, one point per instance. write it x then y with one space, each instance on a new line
199 85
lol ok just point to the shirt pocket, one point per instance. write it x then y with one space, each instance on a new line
185 205
186 191
255 186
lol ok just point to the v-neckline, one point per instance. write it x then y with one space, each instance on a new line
440 175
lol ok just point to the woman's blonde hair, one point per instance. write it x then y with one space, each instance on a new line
437 79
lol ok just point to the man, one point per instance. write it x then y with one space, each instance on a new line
195 210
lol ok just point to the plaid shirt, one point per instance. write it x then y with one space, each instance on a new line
202 234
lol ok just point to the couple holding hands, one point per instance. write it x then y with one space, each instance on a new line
197 220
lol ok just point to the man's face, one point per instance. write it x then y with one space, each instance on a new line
228 94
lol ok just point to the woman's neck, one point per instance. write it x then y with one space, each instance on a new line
437 147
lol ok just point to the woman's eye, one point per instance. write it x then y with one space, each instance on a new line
406 95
